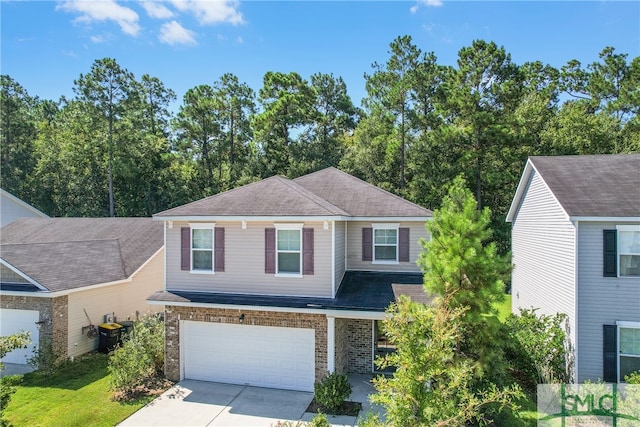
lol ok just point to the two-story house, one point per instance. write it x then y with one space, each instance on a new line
277 282
576 250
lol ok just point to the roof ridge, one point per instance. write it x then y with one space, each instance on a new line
352 177
163 213
315 198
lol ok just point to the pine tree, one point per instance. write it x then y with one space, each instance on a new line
461 264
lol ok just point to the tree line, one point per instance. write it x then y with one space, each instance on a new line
115 147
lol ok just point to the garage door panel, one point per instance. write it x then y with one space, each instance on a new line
13 321
265 356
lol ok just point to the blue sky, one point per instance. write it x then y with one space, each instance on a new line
45 45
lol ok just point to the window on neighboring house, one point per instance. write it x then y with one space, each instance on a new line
202 249
629 349
622 251
385 244
629 250
289 251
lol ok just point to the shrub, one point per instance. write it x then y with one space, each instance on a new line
537 348
633 378
7 388
45 359
332 391
140 358
319 420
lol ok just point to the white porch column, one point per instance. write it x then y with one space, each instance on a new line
331 344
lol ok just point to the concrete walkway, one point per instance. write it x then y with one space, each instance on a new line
200 403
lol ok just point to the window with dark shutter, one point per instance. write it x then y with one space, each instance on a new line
610 255
219 249
610 353
367 244
403 244
307 251
270 250
185 248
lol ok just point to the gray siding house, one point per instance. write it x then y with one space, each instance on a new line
12 208
276 283
576 250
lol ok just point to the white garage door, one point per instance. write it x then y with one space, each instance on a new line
263 356
12 321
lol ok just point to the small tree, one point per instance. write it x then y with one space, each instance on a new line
459 261
433 382
7 345
140 358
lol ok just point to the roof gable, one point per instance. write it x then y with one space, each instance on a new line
69 253
275 196
358 197
589 186
326 193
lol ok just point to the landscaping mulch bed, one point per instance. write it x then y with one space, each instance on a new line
347 408
152 387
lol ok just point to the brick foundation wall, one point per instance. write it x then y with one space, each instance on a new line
174 314
53 309
360 348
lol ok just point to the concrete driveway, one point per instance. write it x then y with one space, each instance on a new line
200 403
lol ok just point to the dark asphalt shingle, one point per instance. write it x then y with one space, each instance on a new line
360 291
605 185
69 253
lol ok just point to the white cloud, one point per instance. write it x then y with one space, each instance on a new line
70 53
239 40
211 11
103 10
156 10
172 33
428 3
97 39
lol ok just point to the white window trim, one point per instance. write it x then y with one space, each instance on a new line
383 226
620 228
628 325
200 226
289 227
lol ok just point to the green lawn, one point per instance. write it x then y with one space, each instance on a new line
77 395
504 308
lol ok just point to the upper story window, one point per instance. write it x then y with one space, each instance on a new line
289 250
385 244
202 248
629 250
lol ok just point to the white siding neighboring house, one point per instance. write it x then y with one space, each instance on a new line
58 276
12 208
576 250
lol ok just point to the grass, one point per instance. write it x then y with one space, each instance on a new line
76 395
504 308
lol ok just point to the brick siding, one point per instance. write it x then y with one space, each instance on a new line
53 309
360 346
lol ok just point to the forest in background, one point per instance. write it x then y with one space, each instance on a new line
116 148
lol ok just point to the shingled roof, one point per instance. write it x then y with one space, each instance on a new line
589 186
69 253
326 193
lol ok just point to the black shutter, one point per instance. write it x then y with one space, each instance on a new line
610 353
610 253
185 248
367 244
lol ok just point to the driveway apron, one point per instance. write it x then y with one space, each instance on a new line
200 403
